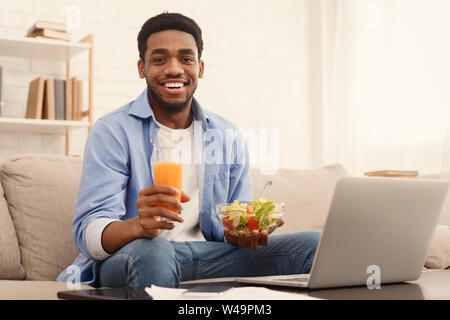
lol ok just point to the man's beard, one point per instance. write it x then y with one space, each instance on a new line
170 107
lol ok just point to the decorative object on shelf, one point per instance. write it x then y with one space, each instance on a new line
49 29
393 173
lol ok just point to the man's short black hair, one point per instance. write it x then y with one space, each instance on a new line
169 21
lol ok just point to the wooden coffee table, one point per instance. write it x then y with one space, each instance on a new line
432 285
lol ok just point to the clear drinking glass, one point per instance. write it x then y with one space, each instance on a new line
168 168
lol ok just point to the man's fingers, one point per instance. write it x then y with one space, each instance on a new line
264 238
152 212
185 197
159 199
158 188
242 240
254 239
153 224
162 224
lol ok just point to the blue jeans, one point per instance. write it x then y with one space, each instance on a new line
144 262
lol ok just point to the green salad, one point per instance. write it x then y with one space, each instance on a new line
257 215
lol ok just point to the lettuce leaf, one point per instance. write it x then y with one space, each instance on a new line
263 212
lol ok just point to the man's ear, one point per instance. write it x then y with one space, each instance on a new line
202 69
141 69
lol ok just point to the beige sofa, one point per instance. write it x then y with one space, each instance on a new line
37 198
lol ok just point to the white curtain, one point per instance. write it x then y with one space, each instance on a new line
445 174
382 89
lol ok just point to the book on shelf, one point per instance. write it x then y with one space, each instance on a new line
45 24
50 34
393 173
49 100
35 99
77 99
60 99
63 99
69 98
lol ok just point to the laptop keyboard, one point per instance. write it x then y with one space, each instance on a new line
299 279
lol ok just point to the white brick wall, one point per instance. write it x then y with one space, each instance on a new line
256 56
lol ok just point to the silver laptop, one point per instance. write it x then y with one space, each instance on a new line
374 225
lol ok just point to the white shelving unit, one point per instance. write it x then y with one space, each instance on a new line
54 50
42 49
40 126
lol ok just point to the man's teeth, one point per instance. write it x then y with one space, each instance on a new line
173 85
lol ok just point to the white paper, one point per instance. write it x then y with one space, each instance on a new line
238 293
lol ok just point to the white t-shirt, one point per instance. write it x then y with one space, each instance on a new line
189 230
183 139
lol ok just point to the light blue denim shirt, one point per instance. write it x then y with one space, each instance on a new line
117 165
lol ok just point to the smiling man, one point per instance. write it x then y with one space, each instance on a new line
125 232
172 69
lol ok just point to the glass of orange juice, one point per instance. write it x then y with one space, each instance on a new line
168 168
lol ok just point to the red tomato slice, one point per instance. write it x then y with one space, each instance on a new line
248 210
252 223
227 223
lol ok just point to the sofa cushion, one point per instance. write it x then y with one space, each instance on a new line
10 266
438 256
33 290
41 192
307 194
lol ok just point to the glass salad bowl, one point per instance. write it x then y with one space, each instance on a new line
257 215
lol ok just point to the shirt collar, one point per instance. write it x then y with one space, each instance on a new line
141 108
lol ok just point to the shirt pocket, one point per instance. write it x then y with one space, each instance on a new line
217 185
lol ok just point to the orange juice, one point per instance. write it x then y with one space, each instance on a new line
170 174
